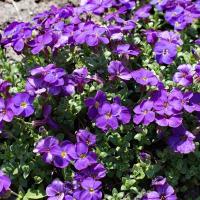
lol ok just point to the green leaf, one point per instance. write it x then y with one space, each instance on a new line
34 194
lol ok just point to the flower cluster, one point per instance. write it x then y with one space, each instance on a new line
106 55
162 190
85 184
55 81
105 114
178 13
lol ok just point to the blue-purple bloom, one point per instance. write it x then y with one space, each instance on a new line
181 140
46 148
117 69
184 76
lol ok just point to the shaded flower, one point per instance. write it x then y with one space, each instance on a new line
94 103
86 137
181 140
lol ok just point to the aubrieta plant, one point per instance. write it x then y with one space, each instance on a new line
104 103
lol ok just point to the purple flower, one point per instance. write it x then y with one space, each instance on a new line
151 36
80 77
6 113
46 148
23 104
162 191
108 116
181 140
95 36
162 104
144 113
16 35
4 86
5 183
86 137
127 50
171 37
64 154
96 171
91 190
144 77
165 52
142 12
144 156
179 100
40 43
56 190
174 120
185 75
94 103
83 157
116 69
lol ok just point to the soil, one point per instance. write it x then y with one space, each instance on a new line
24 10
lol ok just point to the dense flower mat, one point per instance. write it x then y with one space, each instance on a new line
105 103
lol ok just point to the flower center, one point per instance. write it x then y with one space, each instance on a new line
23 104
145 112
162 197
144 78
96 104
88 142
183 138
165 104
83 155
91 190
63 154
177 24
108 115
165 52
3 111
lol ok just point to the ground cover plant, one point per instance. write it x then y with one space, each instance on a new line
105 103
